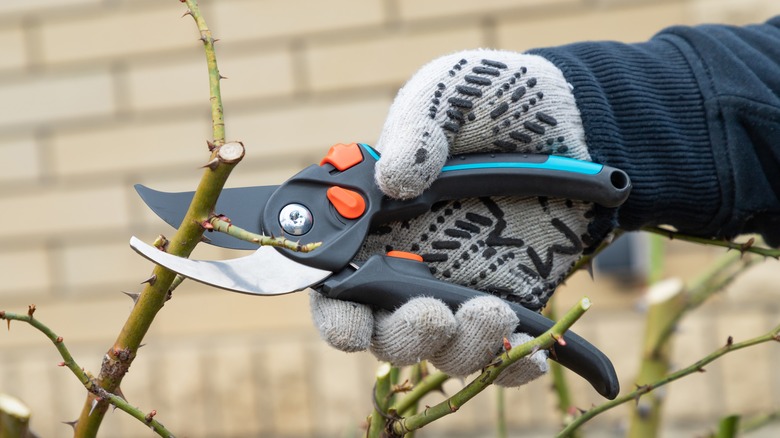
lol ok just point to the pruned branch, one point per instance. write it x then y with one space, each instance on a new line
86 379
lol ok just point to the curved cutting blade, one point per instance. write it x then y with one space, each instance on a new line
243 205
264 272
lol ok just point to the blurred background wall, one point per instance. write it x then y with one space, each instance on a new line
98 95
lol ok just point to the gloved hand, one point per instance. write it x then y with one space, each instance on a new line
517 249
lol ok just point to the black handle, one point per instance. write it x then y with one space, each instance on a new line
388 282
467 176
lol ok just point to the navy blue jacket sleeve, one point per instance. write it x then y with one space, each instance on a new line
693 116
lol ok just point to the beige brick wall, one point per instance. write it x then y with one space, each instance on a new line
101 94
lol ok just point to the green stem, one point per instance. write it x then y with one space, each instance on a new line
431 382
88 381
758 421
418 372
728 427
741 247
215 93
665 300
381 396
698 366
546 340
14 417
152 298
224 226
500 412
656 268
724 271
558 373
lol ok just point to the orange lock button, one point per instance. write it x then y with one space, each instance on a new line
343 156
348 203
405 255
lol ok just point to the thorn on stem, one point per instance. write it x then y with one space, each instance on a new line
30 310
211 164
61 364
95 402
133 296
151 280
211 145
743 248
72 423
189 12
729 341
588 266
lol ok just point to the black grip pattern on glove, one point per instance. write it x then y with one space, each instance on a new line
516 248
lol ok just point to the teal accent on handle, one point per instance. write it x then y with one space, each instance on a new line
370 151
554 162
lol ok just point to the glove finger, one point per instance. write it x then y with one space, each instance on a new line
526 369
413 146
413 331
483 323
344 325
476 101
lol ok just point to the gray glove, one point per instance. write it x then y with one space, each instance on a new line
518 249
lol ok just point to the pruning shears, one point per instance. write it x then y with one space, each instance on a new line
338 204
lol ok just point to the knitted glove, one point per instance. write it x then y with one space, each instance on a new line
517 249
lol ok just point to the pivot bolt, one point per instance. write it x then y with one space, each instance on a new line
296 219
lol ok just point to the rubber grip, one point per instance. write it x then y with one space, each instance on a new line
388 282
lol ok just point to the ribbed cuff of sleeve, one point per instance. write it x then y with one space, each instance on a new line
643 112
